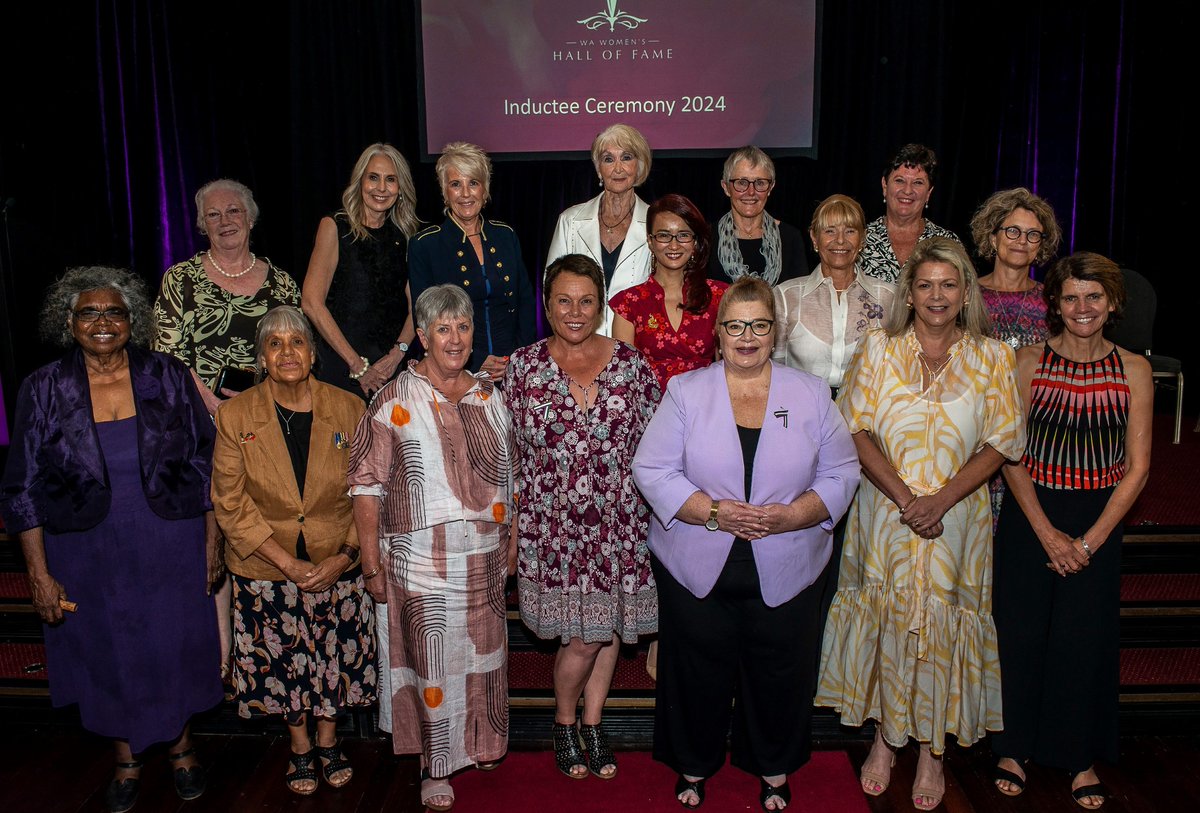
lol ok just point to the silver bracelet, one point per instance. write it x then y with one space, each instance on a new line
1083 544
366 366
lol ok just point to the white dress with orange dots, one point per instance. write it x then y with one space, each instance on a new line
443 473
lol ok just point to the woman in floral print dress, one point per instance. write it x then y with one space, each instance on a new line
580 402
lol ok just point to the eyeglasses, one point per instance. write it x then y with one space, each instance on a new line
681 237
759 327
233 213
760 184
1014 233
89 315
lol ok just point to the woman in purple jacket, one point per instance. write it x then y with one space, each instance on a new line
107 487
747 465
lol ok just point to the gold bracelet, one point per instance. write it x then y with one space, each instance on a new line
909 504
372 574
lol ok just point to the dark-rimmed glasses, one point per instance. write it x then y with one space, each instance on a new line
681 237
89 315
736 327
760 184
1014 233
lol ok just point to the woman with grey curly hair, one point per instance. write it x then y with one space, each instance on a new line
107 486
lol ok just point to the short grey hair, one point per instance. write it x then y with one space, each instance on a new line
470 161
449 301
281 319
226 185
752 155
63 296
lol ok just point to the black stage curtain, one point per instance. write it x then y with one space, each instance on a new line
115 112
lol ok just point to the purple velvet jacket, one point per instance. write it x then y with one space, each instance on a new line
56 478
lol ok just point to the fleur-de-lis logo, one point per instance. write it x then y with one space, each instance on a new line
612 18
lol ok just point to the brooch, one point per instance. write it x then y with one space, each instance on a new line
782 413
652 323
545 408
341 440
247 437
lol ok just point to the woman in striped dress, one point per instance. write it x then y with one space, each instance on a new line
1058 558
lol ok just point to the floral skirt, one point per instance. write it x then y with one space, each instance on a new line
297 652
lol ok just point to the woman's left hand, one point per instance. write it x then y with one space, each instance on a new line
322 576
924 515
774 518
494 366
214 552
380 372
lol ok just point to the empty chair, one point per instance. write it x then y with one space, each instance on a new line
1136 332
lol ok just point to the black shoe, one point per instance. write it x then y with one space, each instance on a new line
769 791
122 793
599 754
567 753
190 783
683 785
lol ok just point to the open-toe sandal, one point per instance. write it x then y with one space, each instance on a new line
683 785
301 768
122 793
767 791
333 761
919 792
432 788
880 779
599 754
1084 791
567 753
1012 778
189 782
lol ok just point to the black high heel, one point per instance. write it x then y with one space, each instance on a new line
599 754
567 753
683 785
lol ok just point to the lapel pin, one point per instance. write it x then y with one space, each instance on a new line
545 408
341 440
247 437
783 414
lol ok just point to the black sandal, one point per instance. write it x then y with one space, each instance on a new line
768 791
1004 775
122 793
333 761
567 753
190 783
683 785
599 754
302 770
1084 791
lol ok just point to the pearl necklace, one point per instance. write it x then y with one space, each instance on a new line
224 273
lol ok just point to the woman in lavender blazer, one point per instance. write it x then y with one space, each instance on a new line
747 465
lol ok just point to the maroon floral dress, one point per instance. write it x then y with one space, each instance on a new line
669 351
583 568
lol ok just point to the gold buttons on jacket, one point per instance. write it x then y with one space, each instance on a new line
300 518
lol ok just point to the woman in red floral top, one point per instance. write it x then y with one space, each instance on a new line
671 316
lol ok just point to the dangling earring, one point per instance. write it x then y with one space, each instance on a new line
909 304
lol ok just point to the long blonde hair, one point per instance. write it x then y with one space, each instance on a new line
972 317
403 212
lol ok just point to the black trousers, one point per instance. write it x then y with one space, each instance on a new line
727 659
1058 638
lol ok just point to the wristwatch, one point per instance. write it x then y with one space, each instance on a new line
349 552
712 518
402 346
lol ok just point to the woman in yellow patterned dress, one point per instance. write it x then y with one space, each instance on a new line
932 405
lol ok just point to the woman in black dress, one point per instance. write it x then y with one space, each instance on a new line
356 288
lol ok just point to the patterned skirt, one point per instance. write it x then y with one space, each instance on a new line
297 652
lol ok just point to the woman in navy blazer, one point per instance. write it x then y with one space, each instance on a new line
107 487
747 465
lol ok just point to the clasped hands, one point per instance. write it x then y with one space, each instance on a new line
314 578
753 521
1065 557
924 515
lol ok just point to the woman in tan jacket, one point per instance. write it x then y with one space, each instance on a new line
303 624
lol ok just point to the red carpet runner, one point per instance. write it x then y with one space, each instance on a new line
528 782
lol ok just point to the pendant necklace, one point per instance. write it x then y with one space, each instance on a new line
287 420
609 228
